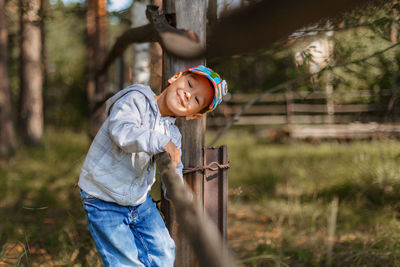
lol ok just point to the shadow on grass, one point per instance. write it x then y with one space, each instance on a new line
50 229
375 195
345 254
40 210
256 186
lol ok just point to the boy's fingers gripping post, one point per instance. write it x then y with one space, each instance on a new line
173 153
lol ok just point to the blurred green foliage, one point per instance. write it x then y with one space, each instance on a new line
64 91
65 98
357 35
40 208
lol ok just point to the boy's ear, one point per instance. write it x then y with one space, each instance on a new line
175 77
194 116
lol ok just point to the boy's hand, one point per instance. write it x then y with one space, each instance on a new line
173 153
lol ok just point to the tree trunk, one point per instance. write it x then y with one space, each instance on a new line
31 99
394 30
156 59
212 13
394 36
189 15
155 67
95 88
91 52
43 10
7 132
141 56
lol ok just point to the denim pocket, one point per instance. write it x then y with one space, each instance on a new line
85 197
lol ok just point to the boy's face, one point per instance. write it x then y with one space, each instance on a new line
187 95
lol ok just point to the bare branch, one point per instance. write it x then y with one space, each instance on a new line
179 42
367 57
319 30
141 34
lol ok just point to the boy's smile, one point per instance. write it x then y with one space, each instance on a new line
180 95
187 95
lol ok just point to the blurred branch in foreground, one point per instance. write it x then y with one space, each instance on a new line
244 30
262 24
202 234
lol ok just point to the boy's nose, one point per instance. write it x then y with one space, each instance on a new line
187 95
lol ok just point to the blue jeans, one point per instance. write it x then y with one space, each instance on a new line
128 235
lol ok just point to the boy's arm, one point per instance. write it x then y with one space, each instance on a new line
179 167
125 126
173 152
177 140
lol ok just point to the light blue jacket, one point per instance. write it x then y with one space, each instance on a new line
119 166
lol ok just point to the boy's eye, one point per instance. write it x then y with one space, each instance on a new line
197 100
190 85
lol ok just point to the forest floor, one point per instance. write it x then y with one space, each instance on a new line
292 204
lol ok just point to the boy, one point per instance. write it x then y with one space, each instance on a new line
119 169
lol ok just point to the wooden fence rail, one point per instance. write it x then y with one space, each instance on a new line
306 95
284 108
309 112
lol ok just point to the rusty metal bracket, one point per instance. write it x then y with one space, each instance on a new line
215 186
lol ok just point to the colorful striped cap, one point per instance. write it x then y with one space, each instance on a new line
220 86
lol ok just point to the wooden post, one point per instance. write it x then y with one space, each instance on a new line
289 105
215 186
329 99
330 107
190 14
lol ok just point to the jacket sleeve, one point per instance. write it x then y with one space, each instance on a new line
179 168
125 126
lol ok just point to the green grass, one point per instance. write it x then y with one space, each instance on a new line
42 218
293 185
280 203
